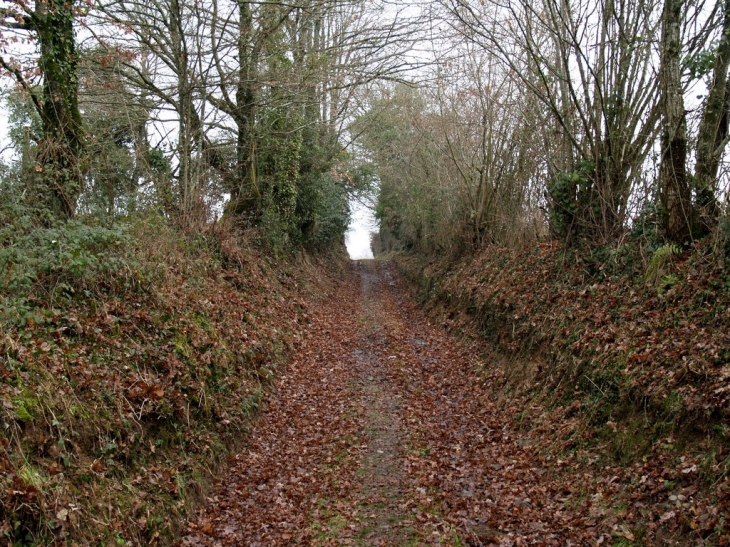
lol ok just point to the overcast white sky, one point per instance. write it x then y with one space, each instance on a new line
4 142
357 238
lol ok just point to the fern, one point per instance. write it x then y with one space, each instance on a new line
660 260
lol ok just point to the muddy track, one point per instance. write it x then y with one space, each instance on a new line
380 434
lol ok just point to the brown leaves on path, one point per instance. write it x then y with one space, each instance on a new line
379 434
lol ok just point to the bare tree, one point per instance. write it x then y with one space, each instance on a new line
483 114
591 65
167 62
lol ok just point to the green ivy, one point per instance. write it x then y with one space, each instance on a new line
702 62
568 199
45 263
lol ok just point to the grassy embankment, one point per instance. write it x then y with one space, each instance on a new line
615 359
132 360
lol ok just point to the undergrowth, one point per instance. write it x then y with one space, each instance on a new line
132 359
618 353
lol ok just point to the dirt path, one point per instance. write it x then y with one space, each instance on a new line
381 435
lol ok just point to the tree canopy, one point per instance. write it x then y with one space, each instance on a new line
477 121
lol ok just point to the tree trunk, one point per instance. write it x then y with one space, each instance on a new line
244 188
186 111
673 185
62 153
713 130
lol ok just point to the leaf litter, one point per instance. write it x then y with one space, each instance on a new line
381 433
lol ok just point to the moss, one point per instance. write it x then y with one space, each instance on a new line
182 346
27 407
22 414
31 475
672 404
204 323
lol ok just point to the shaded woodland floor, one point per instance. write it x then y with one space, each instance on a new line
381 433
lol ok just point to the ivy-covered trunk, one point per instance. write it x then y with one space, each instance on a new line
62 163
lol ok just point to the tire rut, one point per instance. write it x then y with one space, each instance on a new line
382 476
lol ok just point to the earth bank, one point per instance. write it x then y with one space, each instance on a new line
131 366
